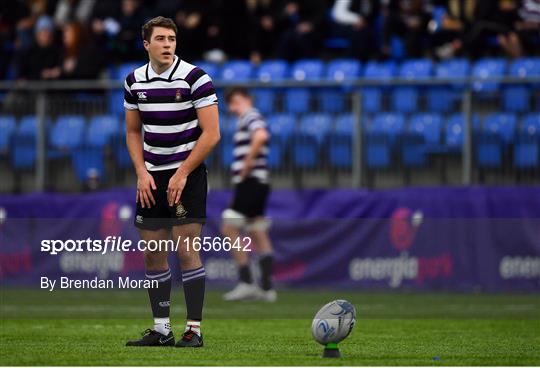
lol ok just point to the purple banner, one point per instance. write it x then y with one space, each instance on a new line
421 238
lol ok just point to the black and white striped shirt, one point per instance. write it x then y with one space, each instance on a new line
246 125
167 104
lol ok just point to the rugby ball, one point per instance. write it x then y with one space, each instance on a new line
333 322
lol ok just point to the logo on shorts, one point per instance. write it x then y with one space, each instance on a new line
141 95
164 304
180 211
178 96
139 219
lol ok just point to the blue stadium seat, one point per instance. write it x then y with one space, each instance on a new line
307 69
443 98
123 70
23 147
101 129
309 139
343 69
7 127
237 70
340 142
68 132
405 98
212 69
281 128
88 161
488 68
454 131
264 99
503 124
297 100
527 151
429 126
332 100
227 144
391 124
488 148
116 101
372 96
413 149
273 70
530 123
377 150
517 97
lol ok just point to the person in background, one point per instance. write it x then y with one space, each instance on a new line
528 25
356 17
81 61
301 22
73 10
44 59
264 34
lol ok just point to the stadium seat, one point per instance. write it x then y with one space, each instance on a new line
340 141
413 149
391 124
488 148
443 98
530 123
227 141
297 100
281 128
309 139
503 124
212 69
237 70
516 97
343 69
88 161
405 98
488 68
332 100
273 70
454 131
308 69
116 101
23 147
123 70
120 151
101 129
429 126
372 96
7 127
68 132
527 151
264 99
377 150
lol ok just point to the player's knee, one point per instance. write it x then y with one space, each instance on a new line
259 225
233 219
155 260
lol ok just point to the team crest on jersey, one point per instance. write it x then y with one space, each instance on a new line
178 96
180 211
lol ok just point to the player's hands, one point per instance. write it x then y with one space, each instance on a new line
177 182
249 162
145 185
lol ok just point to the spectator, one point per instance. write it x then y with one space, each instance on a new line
301 22
128 40
43 60
263 33
73 10
528 25
407 20
357 16
81 61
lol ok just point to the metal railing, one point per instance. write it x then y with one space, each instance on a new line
48 100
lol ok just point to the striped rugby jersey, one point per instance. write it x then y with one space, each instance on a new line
167 104
245 126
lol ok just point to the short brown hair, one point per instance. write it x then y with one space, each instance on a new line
160 21
233 91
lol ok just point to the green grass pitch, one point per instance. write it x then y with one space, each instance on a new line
91 327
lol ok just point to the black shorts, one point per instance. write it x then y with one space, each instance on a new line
250 197
192 206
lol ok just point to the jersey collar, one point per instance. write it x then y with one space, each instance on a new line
167 74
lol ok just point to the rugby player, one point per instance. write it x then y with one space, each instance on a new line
175 104
251 190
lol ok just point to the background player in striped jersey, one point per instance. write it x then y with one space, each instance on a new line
175 104
251 190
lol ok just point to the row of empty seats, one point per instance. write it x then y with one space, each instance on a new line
307 141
